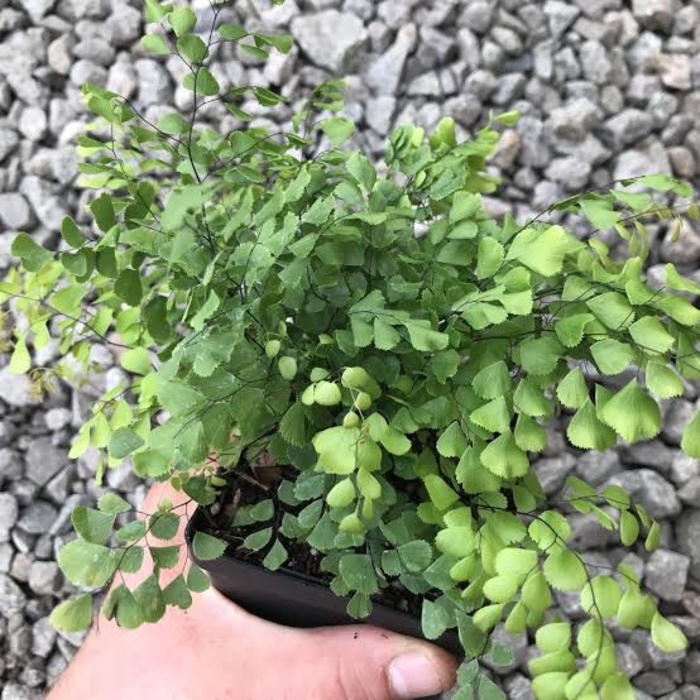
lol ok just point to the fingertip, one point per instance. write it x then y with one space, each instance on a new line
412 668
424 672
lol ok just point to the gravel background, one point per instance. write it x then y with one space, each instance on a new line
607 89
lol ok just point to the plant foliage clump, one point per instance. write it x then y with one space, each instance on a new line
377 331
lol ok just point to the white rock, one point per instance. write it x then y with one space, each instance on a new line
380 113
33 123
14 211
47 206
655 14
686 249
570 172
9 512
560 15
666 574
384 74
330 38
17 390
675 70
36 9
276 15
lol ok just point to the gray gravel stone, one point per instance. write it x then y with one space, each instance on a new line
96 50
80 9
519 687
628 659
597 8
667 574
688 538
20 642
682 161
57 418
642 88
651 490
154 83
507 150
517 643
37 518
570 172
685 249
575 120
44 577
12 598
9 512
123 80
43 638
684 468
434 49
23 543
509 88
86 71
380 113
654 683
281 15
587 533
36 9
690 492
61 524
677 417
10 19
655 14
8 142
44 460
543 60
560 15
59 54
14 691
320 36
465 109
477 16
55 667
596 64
662 108
674 70
686 19
653 657
597 467
11 464
552 471
396 13
508 40
627 127
14 211
384 74
640 161
653 454
33 123
46 205
691 667
123 26
690 626
427 85
6 554
17 390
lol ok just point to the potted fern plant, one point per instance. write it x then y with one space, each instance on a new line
349 368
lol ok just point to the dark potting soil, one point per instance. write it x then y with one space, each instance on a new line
247 486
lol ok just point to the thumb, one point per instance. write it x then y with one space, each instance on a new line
361 662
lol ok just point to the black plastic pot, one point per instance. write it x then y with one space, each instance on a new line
295 600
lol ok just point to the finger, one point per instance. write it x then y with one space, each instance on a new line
361 662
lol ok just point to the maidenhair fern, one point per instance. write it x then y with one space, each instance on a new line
378 331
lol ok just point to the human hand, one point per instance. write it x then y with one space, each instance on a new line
217 651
